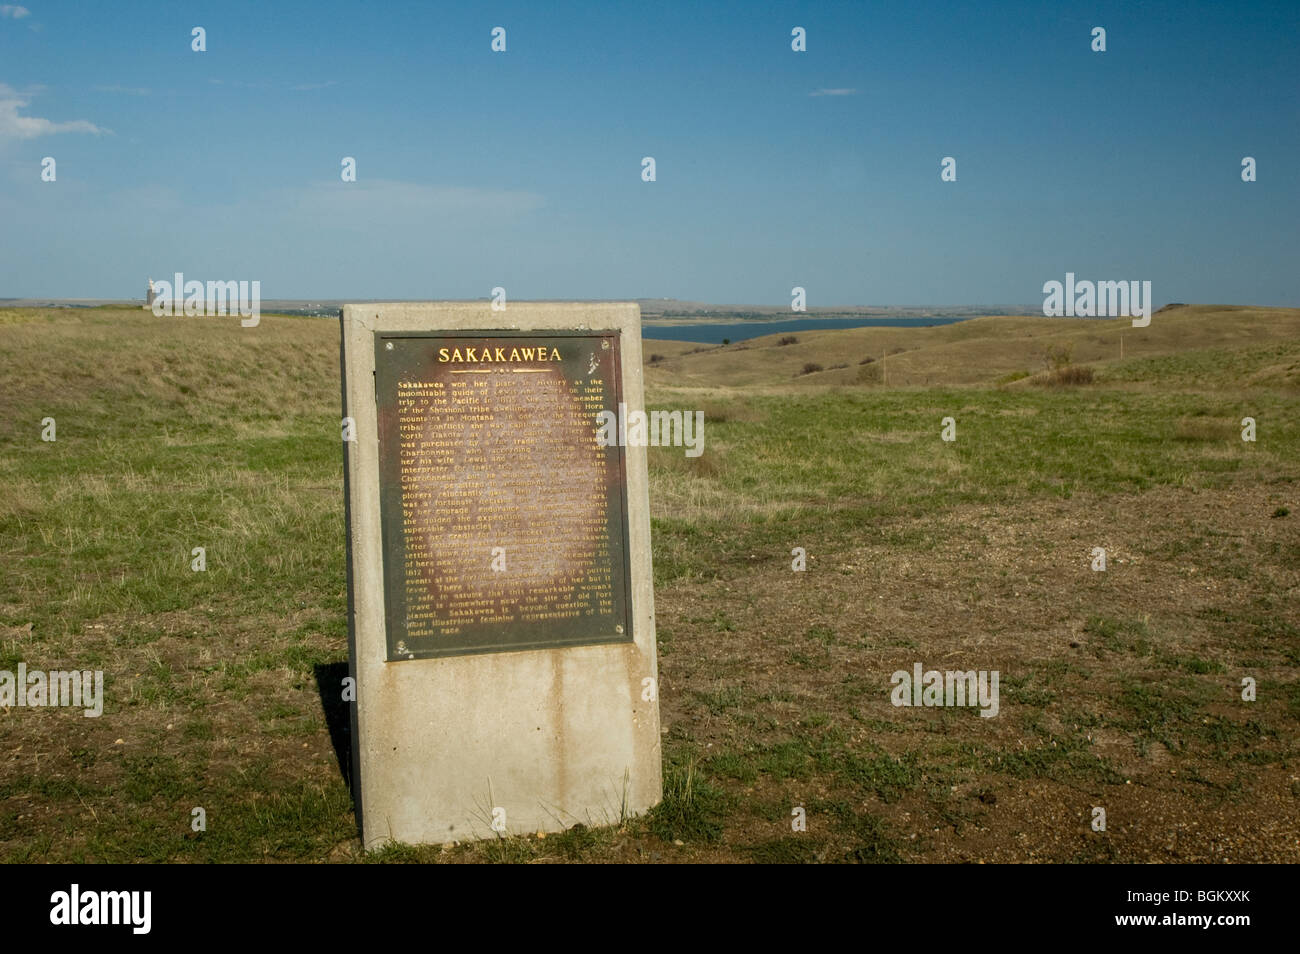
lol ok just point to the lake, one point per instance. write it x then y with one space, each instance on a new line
741 330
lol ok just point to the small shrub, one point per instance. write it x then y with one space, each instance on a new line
810 368
1073 375
867 360
1057 357
788 340
869 374
1060 372
1069 376
656 358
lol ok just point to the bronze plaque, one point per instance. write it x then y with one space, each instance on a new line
504 518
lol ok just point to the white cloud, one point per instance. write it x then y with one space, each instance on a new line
13 126
840 91
13 11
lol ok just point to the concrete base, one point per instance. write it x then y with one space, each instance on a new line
553 737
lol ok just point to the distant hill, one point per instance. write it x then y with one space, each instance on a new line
982 350
652 309
667 310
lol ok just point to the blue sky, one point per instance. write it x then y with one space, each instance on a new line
523 169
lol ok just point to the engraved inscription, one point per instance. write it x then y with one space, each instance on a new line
504 518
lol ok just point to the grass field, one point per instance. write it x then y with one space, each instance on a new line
1120 689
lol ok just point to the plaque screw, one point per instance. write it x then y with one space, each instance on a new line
618 628
401 647
388 346
604 346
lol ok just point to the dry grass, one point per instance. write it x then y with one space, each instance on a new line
1067 376
982 350
1119 688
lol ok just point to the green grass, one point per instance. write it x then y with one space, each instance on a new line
692 807
1224 368
828 466
1063 758
176 435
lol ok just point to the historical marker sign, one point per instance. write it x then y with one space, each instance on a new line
501 612
505 521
